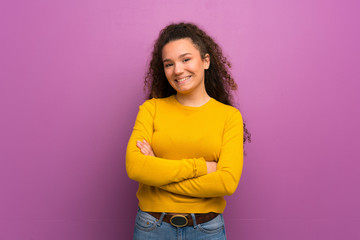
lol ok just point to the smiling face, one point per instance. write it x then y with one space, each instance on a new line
183 66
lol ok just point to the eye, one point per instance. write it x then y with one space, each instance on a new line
168 65
186 59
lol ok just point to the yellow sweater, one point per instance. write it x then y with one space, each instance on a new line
182 139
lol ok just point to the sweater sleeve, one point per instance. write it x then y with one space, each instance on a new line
154 171
225 179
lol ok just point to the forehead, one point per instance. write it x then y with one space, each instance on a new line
175 48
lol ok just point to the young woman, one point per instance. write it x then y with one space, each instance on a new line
186 148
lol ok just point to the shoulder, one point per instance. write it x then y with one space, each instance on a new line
227 110
233 121
149 103
154 103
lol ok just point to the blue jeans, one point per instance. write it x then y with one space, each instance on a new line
149 228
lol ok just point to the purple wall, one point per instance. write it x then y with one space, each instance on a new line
71 76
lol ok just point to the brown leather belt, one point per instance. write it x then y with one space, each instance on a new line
183 219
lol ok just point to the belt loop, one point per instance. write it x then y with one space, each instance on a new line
194 219
161 219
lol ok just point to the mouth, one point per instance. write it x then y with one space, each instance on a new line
180 80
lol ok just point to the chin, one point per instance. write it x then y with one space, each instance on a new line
183 88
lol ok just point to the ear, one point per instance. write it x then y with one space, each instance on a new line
206 61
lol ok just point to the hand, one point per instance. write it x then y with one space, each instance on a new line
145 148
211 166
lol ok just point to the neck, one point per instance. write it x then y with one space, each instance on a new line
193 100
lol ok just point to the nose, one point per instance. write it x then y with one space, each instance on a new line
178 69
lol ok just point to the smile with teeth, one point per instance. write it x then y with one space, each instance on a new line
182 79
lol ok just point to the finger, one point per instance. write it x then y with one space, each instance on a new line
139 144
146 146
146 143
143 151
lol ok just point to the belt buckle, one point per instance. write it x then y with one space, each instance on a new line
179 221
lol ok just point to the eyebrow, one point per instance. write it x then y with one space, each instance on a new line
182 55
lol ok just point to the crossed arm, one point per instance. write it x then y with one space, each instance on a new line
146 149
222 178
149 169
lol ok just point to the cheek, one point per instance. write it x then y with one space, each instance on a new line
197 67
167 73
